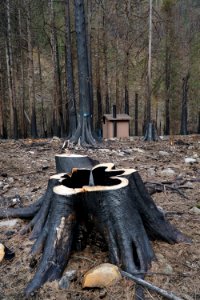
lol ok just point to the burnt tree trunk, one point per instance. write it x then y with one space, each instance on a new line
150 129
58 123
98 87
31 75
72 116
136 114
13 130
115 201
105 63
83 131
184 109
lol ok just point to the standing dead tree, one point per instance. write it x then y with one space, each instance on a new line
72 117
151 133
111 201
184 108
83 131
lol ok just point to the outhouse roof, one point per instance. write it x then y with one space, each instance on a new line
119 117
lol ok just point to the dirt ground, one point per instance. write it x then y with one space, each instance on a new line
25 167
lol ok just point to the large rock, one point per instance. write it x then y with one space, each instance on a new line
2 252
101 276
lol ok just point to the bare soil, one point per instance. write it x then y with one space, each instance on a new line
25 167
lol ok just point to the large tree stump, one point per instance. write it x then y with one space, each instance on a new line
115 201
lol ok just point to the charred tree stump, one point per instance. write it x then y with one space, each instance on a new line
65 162
115 201
151 133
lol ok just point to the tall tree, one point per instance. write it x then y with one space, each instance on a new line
88 6
127 58
58 124
22 123
1 109
98 79
43 115
31 79
13 132
184 108
105 59
149 83
72 117
150 134
167 8
83 131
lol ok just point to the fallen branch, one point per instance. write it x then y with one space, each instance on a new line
167 295
157 187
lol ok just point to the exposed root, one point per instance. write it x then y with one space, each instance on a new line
58 244
22 212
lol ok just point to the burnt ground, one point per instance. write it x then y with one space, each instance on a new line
25 167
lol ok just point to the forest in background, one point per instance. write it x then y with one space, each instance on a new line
35 42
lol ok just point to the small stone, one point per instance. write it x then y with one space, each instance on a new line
102 293
121 154
17 199
151 172
6 187
195 210
56 138
31 152
9 223
138 150
189 184
1 184
2 252
128 151
163 153
11 179
69 276
168 269
190 160
168 172
161 209
101 276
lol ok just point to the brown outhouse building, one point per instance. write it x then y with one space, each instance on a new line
116 127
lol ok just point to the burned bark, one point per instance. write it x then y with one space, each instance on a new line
115 201
184 108
84 129
151 133
72 115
